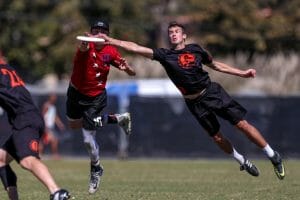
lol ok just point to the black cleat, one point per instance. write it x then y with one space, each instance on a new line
61 194
278 165
250 168
95 178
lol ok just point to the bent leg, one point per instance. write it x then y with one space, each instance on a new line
255 136
89 137
39 170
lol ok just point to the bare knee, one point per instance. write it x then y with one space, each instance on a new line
27 162
243 125
5 158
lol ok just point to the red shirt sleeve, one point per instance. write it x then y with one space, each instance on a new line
81 57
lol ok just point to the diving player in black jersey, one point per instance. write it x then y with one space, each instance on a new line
205 99
23 141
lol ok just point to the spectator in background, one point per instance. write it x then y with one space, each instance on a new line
51 120
204 98
22 144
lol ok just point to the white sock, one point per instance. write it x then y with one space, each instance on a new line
89 137
238 157
268 151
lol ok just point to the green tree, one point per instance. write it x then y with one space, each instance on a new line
38 36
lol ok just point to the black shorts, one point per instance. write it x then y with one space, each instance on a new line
24 141
215 101
80 106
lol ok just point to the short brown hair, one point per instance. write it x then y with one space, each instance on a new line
174 23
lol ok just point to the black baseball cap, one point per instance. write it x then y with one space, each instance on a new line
100 24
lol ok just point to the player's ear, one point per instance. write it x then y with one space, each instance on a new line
184 36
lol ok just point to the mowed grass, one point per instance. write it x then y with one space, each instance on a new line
164 179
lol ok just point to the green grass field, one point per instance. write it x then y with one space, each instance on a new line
164 179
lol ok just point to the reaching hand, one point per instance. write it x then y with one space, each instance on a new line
250 73
107 39
124 66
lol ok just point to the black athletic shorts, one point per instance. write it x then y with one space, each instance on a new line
24 140
80 106
215 101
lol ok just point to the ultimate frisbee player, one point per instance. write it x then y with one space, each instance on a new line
204 98
86 96
22 144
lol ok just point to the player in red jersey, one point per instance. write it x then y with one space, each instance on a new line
23 141
87 96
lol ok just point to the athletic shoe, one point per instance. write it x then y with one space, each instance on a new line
278 165
249 167
124 120
61 194
95 178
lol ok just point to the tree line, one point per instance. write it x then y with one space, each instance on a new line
38 36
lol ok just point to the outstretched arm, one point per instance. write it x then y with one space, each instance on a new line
222 67
128 46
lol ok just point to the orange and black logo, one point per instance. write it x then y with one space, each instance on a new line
34 146
186 60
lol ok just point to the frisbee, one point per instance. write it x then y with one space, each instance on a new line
89 39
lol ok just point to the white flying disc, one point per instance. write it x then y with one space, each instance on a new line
89 39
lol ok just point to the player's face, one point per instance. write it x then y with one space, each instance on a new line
96 30
176 35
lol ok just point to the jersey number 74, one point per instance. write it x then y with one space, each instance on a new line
15 80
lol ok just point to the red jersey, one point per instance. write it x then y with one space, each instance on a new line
91 69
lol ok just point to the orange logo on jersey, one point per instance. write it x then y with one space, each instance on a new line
34 146
186 60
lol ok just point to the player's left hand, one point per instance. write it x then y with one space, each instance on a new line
122 64
250 73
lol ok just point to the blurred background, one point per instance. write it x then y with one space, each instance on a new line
38 38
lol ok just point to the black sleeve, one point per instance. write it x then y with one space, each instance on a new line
206 57
159 54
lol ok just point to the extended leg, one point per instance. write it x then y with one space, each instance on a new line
256 137
124 120
227 147
210 123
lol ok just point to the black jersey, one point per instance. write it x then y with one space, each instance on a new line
184 67
15 99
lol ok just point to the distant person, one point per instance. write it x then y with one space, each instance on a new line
51 120
23 141
86 96
205 99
